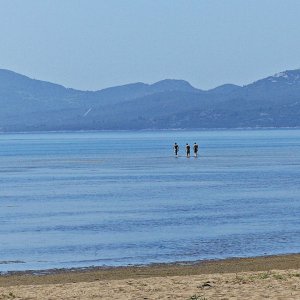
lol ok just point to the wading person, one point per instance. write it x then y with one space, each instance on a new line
195 149
176 149
188 150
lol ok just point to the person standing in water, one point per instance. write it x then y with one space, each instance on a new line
188 150
176 149
195 150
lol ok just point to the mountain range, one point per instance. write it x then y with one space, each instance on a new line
32 105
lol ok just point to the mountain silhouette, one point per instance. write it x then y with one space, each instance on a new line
34 105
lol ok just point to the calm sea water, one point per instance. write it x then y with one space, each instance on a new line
119 198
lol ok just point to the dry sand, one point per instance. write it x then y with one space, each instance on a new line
276 277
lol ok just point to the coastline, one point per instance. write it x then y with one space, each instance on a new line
151 130
273 277
89 274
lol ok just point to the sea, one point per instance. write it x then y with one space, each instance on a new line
118 198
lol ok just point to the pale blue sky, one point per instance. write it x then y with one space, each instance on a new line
93 44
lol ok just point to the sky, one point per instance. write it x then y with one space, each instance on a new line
94 44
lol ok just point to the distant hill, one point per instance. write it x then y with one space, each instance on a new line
33 105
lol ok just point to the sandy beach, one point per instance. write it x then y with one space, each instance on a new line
274 277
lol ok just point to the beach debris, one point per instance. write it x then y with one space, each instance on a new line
11 295
196 297
205 285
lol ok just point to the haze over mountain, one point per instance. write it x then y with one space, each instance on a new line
33 105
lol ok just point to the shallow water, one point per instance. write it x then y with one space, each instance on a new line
118 198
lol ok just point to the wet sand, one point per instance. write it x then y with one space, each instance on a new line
274 277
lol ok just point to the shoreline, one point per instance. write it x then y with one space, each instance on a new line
90 274
272 277
152 130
